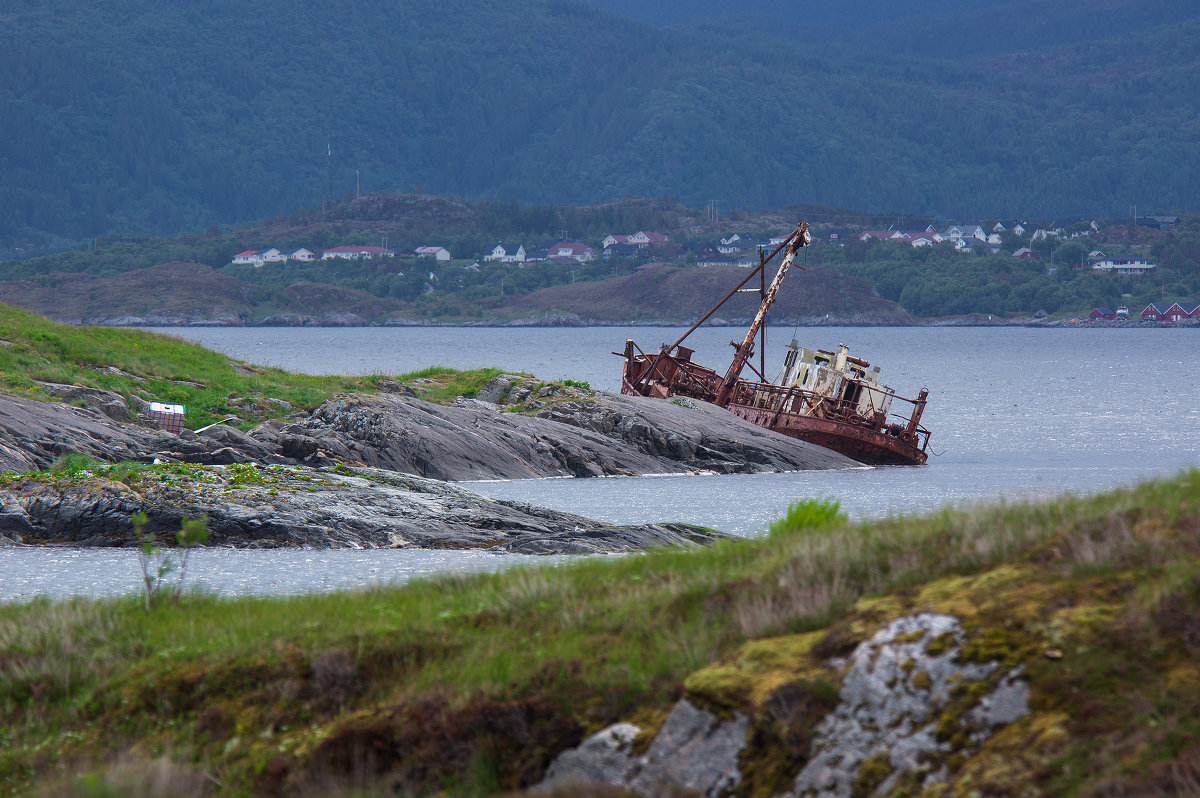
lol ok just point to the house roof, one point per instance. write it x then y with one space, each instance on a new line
246 254
575 247
365 249
652 237
1160 308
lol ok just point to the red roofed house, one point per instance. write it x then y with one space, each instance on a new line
574 250
249 256
357 253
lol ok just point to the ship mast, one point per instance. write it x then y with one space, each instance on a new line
799 238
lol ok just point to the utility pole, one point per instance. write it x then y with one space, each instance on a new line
356 192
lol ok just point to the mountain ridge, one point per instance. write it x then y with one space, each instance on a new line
170 118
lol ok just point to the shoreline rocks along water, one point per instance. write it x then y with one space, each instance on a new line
394 456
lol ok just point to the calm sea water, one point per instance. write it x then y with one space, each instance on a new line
1014 413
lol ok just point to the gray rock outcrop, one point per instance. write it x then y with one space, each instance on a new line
693 751
905 695
279 506
892 695
34 434
606 434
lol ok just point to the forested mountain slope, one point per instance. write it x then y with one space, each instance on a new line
139 116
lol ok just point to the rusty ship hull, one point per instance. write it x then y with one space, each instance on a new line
782 409
827 398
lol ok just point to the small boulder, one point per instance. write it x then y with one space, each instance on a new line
110 404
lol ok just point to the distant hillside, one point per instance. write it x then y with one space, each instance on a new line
671 294
157 117
191 293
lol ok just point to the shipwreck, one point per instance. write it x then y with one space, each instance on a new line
826 397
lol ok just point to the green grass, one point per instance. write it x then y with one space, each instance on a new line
297 683
165 368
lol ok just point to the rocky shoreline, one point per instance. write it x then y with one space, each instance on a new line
373 470
296 506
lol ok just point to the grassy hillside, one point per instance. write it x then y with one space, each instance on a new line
470 685
167 369
667 293
183 293
171 117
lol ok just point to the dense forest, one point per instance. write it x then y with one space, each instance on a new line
137 117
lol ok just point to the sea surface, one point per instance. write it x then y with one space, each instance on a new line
1015 413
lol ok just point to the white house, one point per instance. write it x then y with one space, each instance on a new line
506 254
440 254
1124 266
1041 234
959 232
641 238
880 235
303 255
357 253
272 255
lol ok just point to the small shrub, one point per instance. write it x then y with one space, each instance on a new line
75 465
810 514
158 563
125 468
245 474
581 384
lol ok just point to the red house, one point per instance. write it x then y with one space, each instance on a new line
1155 311
1102 313
1179 312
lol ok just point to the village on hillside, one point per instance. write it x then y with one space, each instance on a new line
648 249
740 249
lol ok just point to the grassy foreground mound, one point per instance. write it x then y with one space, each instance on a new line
163 368
472 685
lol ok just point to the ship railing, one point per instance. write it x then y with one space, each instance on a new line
794 399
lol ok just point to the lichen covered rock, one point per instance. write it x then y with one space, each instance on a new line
907 703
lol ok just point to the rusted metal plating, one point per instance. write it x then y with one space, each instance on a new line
828 398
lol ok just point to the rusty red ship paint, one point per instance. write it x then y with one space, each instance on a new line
828 398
